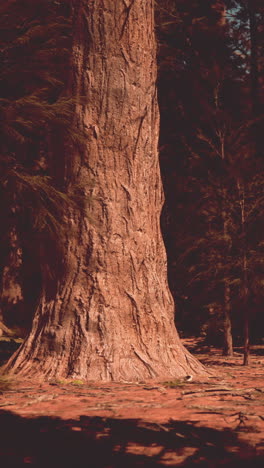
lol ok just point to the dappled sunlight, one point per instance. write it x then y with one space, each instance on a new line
110 442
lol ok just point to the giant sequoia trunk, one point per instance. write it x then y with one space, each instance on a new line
112 315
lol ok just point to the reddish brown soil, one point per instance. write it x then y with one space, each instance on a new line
212 421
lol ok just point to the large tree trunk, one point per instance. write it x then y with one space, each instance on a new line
112 316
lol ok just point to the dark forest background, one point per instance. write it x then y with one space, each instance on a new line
211 146
210 87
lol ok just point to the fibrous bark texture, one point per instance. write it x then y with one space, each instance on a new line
112 316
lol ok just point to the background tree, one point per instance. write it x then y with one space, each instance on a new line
35 45
207 141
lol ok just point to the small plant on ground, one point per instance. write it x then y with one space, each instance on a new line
174 383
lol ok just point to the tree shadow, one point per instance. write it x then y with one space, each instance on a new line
257 350
96 442
199 345
216 362
7 347
211 355
213 360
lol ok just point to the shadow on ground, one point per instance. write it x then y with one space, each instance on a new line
211 361
7 347
96 442
200 346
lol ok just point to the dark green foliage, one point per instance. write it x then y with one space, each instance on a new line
35 106
36 43
210 159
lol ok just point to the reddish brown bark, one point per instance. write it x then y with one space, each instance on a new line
227 324
112 316
246 339
245 281
228 339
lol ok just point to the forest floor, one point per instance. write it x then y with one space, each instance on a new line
211 421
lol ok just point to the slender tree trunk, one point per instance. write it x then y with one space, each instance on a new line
255 64
112 316
246 338
244 288
254 68
227 324
228 339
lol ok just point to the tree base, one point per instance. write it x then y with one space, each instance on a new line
135 367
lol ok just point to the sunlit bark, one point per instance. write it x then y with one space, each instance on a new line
111 315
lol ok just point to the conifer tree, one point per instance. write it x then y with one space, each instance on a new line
208 164
35 41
